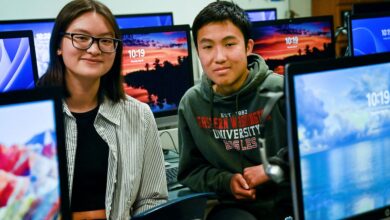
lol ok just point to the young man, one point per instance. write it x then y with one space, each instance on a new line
220 121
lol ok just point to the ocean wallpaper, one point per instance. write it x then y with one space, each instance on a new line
343 122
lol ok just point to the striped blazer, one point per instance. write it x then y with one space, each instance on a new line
136 173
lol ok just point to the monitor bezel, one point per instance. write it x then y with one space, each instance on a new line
326 18
32 22
140 15
358 17
25 34
307 67
369 7
23 21
172 114
263 10
55 94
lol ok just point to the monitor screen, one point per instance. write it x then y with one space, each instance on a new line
262 14
144 20
42 29
370 7
290 40
157 66
33 174
18 66
339 124
369 34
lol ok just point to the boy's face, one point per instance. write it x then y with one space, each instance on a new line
223 55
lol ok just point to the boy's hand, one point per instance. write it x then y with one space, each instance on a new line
255 176
240 188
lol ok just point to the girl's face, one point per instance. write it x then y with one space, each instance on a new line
92 63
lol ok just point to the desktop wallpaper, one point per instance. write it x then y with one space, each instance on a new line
156 67
261 15
370 35
16 67
143 21
343 122
29 178
282 43
42 34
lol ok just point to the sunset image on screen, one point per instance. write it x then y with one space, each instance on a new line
153 61
280 44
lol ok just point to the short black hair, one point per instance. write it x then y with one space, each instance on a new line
220 11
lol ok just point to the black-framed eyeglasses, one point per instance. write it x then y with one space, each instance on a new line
85 41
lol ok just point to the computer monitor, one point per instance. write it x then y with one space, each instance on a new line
369 34
157 67
33 173
18 65
41 29
261 14
144 20
290 40
370 7
338 116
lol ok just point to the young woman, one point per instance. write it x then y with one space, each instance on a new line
115 162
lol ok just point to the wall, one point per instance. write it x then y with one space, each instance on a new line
301 7
184 10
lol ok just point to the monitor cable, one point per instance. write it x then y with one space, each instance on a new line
176 149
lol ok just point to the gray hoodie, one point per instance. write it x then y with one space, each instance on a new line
218 134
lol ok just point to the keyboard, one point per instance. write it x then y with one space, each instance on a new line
171 170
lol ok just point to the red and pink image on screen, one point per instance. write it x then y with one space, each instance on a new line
280 43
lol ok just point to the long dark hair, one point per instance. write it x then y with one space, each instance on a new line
111 84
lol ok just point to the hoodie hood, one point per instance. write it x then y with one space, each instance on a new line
258 71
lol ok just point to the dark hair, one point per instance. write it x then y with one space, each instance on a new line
222 11
111 83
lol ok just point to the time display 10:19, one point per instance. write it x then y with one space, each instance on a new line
378 98
136 53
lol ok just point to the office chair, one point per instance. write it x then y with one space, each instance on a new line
188 207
